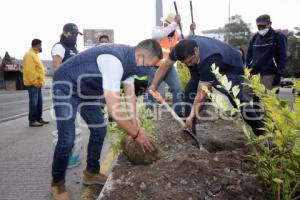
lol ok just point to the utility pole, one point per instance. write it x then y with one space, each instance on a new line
159 15
228 39
159 12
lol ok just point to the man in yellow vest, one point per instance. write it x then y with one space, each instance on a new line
168 38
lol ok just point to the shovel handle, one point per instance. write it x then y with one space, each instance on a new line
176 10
156 95
192 15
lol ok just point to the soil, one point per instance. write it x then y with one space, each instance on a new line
184 172
135 153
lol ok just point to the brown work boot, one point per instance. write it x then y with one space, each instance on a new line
93 179
43 121
35 124
59 191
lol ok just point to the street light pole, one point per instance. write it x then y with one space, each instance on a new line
228 21
159 12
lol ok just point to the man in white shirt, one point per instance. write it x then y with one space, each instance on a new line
77 85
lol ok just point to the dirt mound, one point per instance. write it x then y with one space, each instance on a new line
184 172
136 155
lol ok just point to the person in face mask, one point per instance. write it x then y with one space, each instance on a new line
66 47
199 54
112 65
34 78
168 37
267 52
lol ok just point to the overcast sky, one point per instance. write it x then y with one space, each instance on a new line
132 20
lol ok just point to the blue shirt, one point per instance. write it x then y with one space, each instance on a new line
212 51
267 54
80 74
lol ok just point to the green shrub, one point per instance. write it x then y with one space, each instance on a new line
277 153
145 120
183 74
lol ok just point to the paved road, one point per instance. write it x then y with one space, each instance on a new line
13 103
286 93
26 157
26 153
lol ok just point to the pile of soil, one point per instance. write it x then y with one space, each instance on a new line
184 172
135 153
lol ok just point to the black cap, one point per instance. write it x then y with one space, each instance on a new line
72 28
263 20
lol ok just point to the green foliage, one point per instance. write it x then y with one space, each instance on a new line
294 53
183 74
237 32
277 153
145 120
115 135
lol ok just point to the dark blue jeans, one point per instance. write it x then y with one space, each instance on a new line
35 104
66 107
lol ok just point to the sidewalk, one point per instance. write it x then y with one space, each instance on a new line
26 157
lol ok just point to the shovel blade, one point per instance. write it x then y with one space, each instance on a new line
194 137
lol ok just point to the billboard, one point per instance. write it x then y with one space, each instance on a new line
91 36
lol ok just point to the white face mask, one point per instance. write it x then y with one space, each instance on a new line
264 31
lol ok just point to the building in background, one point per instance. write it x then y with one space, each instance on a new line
218 33
1 75
91 36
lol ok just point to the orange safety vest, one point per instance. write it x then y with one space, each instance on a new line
167 45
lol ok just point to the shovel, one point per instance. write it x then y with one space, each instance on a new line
192 15
176 10
159 98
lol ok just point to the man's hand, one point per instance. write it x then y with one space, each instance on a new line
193 26
145 141
156 95
39 85
152 88
189 123
177 19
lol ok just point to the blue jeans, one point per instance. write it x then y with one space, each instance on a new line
171 78
65 111
35 104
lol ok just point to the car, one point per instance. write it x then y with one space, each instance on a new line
286 82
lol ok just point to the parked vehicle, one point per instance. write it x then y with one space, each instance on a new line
286 82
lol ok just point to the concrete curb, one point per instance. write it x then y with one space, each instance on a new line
109 183
20 115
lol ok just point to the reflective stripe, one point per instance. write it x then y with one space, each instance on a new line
275 62
141 78
165 50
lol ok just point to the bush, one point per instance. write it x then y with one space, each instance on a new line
277 153
145 120
183 74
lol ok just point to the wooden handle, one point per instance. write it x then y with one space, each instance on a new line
156 95
176 10
192 15
174 115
